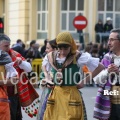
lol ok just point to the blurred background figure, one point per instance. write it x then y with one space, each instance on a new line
78 46
43 53
51 46
32 52
23 46
18 47
94 50
103 49
108 25
18 43
1 26
37 46
107 28
88 47
81 38
99 29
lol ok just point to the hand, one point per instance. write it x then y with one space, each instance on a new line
113 68
60 82
47 82
49 86
12 81
18 60
80 84
43 82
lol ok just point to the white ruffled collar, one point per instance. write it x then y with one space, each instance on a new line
60 60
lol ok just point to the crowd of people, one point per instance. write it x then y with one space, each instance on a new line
97 50
61 98
101 28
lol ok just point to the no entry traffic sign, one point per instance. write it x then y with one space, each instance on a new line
80 22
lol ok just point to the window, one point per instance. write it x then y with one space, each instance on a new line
117 21
42 14
109 5
80 4
101 5
117 5
3 6
71 16
72 4
109 8
101 17
70 9
64 16
64 4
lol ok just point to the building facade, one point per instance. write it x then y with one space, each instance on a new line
41 19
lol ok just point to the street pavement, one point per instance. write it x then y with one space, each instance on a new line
88 94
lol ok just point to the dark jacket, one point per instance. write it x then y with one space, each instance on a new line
99 28
20 50
108 27
30 53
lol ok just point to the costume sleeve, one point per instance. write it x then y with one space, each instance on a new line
46 63
26 66
10 70
86 59
101 77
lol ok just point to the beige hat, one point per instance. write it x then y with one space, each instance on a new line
66 38
108 18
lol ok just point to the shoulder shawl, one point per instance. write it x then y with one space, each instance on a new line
102 103
70 59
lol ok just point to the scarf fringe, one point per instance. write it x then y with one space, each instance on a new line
32 110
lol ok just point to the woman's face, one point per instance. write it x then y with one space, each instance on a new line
48 48
64 51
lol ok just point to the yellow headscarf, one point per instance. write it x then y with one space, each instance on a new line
66 38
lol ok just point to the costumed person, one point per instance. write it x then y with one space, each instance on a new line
22 94
7 72
107 106
65 64
50 46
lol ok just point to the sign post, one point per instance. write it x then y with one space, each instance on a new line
80 22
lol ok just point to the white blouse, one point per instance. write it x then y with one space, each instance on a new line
102 76
26 66
10 70
85 59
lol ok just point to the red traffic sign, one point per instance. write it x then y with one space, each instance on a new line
80 22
